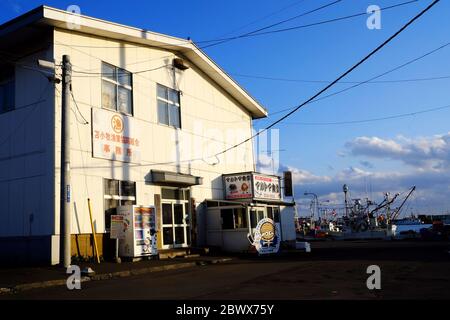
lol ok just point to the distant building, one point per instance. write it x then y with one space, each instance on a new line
157 110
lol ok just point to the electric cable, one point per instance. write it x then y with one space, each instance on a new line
382 45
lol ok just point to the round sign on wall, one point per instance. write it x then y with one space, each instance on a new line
117 124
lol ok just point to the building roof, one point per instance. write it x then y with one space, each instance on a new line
45 15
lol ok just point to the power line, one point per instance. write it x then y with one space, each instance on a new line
368 81
256 32
302 26
264 17
373 78
342 82
78 109
402 115
219 39
337 80
112 74
272 78
28 115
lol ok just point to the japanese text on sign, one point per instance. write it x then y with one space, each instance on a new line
115 136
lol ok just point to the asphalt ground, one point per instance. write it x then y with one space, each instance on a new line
333 270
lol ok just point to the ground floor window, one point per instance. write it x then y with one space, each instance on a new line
117 193
233 218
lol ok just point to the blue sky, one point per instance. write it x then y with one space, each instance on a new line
323 157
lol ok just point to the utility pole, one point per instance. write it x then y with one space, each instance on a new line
65 258
345 189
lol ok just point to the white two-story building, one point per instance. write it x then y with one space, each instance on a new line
149 112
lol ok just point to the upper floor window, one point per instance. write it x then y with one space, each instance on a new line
7 89
168 106
117 89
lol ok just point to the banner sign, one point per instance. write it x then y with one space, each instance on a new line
266 187
115 136
250 185
117 227
267 236
238 186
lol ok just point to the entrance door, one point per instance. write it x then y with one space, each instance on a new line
256 214
174 225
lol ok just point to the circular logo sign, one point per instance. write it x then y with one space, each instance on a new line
267 231
266 238
117 124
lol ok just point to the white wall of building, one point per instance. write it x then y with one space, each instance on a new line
211 121
287 217
26 154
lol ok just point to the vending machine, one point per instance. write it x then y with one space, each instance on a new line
140 231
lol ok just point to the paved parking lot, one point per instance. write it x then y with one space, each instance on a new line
334 270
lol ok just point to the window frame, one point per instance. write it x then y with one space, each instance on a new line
117 197
168 104
234 213
117 86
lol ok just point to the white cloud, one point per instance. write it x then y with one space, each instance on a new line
432 195
428 160
424 152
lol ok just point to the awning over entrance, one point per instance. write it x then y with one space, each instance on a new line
222 203
174 179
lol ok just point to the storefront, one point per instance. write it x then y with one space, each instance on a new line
175 208
250 198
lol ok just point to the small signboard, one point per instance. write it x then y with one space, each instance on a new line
266 187
238 186
117 227
287 177
267 236
115 136
251 185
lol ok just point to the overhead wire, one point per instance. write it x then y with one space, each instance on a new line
28 114
402 115
372 78
343 75
301 26
198 47
335 81
264 17
342 82
257 31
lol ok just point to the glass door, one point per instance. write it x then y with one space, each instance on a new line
256 214
174 225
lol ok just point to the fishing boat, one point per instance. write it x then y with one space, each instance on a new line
364 219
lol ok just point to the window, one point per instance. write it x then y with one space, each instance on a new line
227 219
168 101
253 219
233 218
175 194
7 89
240 218
269 213
117 193
276 215
117 89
